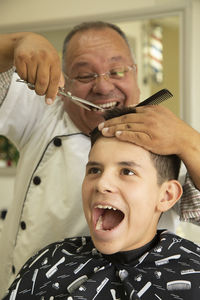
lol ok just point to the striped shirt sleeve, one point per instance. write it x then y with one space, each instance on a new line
5 80
190 202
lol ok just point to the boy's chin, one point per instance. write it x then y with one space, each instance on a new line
107 248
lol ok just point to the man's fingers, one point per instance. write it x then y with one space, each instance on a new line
138 138
139 117
114 121
134 127
42 79
62 80
128 118
31 73
21 69
54 83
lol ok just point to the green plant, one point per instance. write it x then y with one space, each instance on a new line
8 152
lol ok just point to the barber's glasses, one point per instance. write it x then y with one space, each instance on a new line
115 73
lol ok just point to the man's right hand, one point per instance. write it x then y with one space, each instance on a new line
36 61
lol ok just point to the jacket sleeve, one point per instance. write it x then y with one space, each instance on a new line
21 109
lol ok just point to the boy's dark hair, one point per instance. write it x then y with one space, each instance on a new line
98 25
167 166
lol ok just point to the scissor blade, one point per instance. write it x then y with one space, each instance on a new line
81 102
74 98
60 92
26 82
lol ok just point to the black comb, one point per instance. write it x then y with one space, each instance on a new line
156 98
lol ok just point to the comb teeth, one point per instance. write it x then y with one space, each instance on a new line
156 98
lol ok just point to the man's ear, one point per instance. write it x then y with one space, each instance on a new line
171 191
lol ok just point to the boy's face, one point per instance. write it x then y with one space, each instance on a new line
120 196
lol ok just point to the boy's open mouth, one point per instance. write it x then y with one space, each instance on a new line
107 217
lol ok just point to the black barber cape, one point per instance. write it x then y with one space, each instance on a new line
166 268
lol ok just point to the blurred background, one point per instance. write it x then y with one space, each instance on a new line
164 35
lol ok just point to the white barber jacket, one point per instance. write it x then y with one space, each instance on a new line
47 198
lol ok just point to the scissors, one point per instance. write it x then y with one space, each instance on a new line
81 102
155 99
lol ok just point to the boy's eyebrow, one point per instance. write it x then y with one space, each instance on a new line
92 163
129 164
121 163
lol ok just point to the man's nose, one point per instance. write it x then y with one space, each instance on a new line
103 85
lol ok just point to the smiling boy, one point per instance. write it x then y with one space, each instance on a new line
125 190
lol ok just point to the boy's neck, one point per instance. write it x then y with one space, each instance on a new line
132 255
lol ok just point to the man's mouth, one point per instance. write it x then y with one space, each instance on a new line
107 217
108 105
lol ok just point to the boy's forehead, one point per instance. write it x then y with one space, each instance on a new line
114 148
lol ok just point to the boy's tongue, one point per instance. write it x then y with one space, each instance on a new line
109 219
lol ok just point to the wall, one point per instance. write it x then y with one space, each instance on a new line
171 53
59 14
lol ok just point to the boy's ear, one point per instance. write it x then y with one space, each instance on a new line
171 191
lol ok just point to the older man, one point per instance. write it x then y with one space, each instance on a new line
53 140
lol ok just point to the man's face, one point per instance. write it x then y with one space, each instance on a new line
98 51
120 196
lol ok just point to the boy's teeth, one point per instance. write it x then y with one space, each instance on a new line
99 223
106 207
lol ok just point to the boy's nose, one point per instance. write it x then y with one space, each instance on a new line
106 184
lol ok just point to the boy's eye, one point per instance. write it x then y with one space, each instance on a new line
93 170
127 172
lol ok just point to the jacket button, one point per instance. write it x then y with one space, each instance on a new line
57 142
23 225
13 269
3 214
36 180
